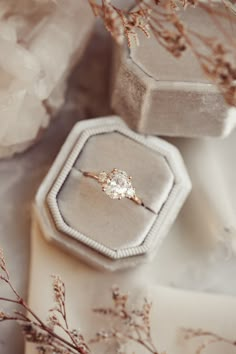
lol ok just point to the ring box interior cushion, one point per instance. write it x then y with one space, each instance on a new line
78 216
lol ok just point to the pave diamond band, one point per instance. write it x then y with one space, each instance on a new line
116 184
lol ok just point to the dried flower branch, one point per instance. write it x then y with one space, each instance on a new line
133 324
209 338
217 60
129 324
44 335
122 24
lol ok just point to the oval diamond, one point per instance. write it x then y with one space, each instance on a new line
118 185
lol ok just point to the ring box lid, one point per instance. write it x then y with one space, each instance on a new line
111 233
159 94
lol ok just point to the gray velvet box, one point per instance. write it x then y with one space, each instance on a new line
158 94
111 234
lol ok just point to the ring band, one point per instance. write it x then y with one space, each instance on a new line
116 184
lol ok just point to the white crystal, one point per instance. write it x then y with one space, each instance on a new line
39 43
118 185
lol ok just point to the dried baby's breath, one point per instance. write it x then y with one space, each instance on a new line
122 24
133 323
2 260
44 334
209 338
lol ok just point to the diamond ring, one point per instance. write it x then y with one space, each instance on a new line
116 184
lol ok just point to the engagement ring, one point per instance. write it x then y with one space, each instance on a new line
116 184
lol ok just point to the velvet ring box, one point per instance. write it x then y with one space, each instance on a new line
158 94
75 214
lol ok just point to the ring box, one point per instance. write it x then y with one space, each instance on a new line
76 215
158 94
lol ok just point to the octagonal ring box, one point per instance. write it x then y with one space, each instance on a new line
76 215
158 94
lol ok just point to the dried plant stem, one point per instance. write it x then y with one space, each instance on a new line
211 338
150 348
39 323
217 61
136 322
214 15
35 329
133 324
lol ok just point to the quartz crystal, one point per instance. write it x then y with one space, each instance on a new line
118 185
40 41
